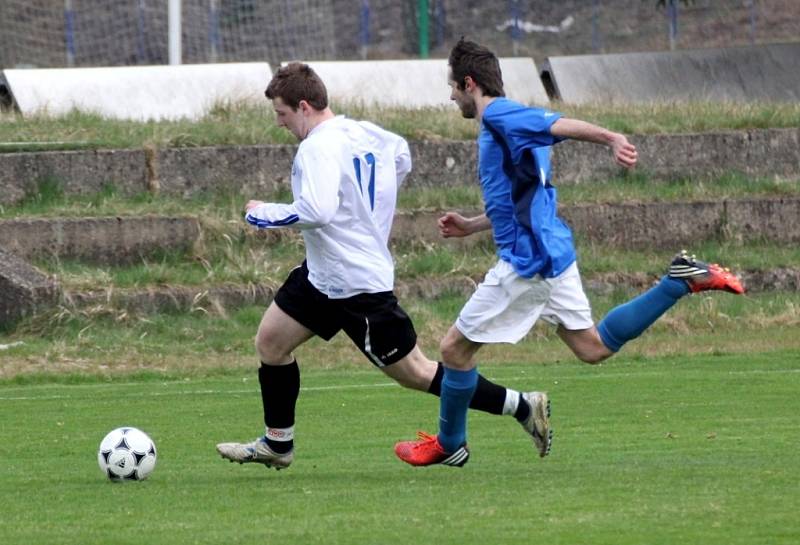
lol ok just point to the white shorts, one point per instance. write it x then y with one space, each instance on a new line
505 306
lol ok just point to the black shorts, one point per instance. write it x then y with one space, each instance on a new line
373 321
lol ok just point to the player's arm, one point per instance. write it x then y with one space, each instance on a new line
624 152
313 208
453 224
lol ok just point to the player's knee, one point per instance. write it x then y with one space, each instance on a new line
268 346
591 357
448 351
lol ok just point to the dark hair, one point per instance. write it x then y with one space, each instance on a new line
470 59
295 82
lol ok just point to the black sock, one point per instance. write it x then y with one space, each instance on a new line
523 410
280 387
488 397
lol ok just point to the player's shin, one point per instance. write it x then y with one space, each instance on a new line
457 390
280 387
629 320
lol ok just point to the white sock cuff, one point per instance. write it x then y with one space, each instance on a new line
280 434
512 401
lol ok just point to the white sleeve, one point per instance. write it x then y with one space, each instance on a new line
314 207
402 160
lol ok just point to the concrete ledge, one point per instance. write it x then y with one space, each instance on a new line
256 169
222 299
660 225
24 289
76 172
761 153
750 73
137 92
99 240
657 225
390 83
252 170
215 299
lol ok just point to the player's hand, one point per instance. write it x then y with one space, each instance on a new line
453 224
624 152
252 204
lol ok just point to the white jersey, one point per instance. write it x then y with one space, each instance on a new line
345 178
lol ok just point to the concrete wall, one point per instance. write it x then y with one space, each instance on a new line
23 289
418 83
658 226
139 93
98 240
741 74
257 169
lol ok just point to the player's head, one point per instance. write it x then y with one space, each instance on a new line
297 93
471 65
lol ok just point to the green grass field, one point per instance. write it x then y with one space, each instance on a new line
687 437
694 449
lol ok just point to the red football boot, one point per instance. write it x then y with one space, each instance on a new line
427 451
701 276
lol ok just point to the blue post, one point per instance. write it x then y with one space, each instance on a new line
213 30
440 22
141 33
753 14
364 30
596 26
672 10
516 16
69 32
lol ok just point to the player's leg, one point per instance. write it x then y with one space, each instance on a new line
417 372
298 312
503 309
686 275
279 378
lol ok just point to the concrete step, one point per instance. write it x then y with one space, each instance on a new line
258 170
652 225
231 297
108 241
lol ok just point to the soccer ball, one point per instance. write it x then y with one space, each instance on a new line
127 454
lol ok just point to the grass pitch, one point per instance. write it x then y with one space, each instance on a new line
694 449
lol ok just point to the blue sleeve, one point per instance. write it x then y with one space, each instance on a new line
521 127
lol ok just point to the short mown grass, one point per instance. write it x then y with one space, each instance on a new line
659 450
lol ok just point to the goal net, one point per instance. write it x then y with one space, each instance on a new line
58 33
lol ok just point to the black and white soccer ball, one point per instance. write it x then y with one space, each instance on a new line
127 454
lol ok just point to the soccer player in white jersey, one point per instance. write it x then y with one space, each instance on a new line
345 178
536 275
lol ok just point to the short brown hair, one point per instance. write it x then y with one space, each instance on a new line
295 82
473 60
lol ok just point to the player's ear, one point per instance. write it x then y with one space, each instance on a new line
469 84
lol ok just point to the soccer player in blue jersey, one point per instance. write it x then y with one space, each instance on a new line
536 275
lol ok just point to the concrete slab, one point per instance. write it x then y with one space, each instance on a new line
417 83
135 92
653 225
115 240
23 289
739 74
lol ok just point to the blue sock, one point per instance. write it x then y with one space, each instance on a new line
629 320
457 389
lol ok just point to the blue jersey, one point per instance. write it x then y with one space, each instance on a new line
514 167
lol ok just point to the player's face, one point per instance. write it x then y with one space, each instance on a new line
463 99
292 120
